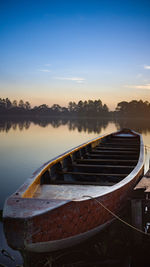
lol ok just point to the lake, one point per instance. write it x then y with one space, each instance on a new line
25 145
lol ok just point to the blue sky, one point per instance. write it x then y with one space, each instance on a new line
58 51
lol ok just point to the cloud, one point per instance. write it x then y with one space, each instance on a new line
74 79
45 70
141 86
139 75
47 65
147 67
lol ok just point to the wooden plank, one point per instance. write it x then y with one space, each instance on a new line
116 148
107 160
144 184
113 151
121 144
137 219
114 156
95 174
100 183
102 166
126 139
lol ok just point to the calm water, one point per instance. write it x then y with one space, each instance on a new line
24 146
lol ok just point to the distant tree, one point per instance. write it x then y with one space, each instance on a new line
2 104
8 103
98 106
64 111
105 108
14 103
43 107
72 107
134 108
56 107
27 105
90 106
122 107
21 104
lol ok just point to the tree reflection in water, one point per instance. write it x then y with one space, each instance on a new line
81 125
7 125
139 125
86 125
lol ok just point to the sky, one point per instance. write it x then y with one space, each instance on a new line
55 51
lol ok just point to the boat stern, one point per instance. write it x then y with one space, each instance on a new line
23 219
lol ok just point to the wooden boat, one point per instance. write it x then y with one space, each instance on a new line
53 210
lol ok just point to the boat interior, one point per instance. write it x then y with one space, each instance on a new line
103 162
112 160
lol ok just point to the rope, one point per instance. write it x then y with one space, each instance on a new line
118 218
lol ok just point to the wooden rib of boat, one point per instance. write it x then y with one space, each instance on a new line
50 211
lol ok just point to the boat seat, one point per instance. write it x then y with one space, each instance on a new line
78 177
102 166
106 161
70 192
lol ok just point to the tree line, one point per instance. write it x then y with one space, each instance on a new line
89 108
82 108
133 108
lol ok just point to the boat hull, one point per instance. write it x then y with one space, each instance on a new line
65 242
68 224
43 225
89 222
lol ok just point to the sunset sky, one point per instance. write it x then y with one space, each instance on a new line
55 51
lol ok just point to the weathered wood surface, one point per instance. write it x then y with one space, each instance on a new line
144 183
117 148
69 192
107 160
102 166
95 173
114 151
113 156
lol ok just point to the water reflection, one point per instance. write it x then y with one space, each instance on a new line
139 125
89 126
81 125
7 125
